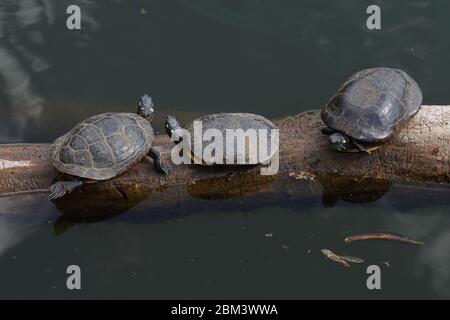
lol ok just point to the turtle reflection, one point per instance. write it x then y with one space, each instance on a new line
352 189
93 207
240 183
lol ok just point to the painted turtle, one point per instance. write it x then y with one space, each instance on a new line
104 146
369 107
227 125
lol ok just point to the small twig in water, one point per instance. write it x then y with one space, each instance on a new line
383 236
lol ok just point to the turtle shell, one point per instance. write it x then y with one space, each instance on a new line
241 153
372 104
103 146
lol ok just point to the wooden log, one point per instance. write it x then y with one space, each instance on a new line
418 154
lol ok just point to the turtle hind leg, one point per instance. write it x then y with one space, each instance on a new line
156 156
62 188
372 148
367 150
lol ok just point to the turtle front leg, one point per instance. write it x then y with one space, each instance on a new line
327 130
156 156
62 188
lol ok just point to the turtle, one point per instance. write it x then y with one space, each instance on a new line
369 107
242 154
102 147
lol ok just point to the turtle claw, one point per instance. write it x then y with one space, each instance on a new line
361 148
155 155
372 149
163 170
56 191
61 188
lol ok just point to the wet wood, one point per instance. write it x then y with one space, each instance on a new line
382 236
417 154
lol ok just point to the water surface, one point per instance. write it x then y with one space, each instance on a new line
205 56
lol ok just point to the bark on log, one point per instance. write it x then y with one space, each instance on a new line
418 154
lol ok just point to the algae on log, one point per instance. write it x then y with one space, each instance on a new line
418 154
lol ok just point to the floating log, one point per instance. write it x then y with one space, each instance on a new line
419 154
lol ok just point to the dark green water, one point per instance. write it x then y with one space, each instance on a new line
205 56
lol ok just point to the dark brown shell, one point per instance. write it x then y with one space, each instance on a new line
103 146
372 103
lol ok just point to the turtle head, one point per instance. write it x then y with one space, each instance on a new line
146 107
339 142
173 128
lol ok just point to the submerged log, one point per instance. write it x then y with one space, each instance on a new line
418 154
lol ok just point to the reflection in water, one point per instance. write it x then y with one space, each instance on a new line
133 235
22 34
10 234
230 186
322 28
20 216
92 207
352 189
18 20
435 261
